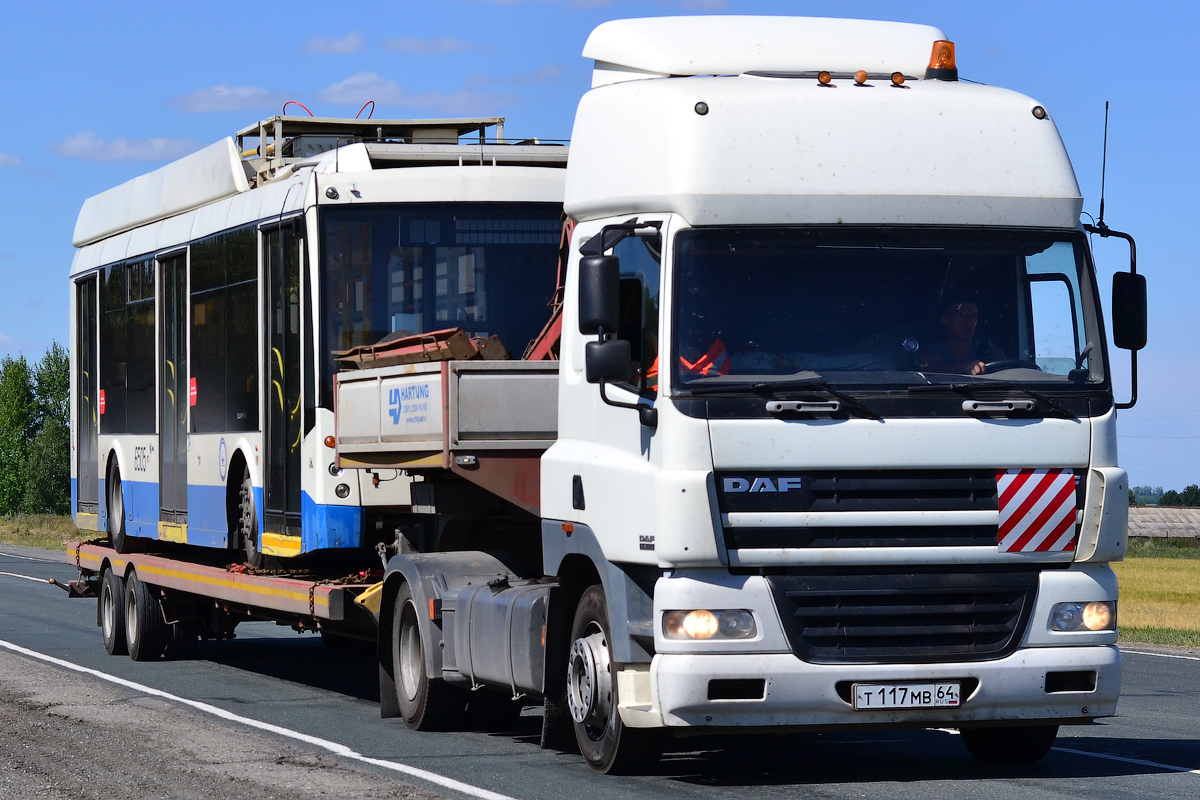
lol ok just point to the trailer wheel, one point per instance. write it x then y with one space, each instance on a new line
146 632
248 521
1020 745
116 512
606 743
112 613
425 703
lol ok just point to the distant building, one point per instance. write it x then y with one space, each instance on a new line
1164 522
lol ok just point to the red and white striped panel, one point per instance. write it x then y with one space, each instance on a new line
1037 510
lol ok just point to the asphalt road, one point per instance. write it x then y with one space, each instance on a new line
304 722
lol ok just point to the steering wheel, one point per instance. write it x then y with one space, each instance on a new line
1009 363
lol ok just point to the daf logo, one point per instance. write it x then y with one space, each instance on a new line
737 485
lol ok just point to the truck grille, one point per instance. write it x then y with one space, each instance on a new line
866 615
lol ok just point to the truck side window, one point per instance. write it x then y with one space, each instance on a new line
640 279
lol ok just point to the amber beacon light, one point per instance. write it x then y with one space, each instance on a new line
941 62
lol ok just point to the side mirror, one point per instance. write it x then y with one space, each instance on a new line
1129 310
608 362
599 287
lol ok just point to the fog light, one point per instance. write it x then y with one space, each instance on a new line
342 490
1095 616
704 624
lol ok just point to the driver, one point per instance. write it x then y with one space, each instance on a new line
959 353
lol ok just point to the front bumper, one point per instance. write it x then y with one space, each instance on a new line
675 691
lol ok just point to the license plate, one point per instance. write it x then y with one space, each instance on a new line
870 696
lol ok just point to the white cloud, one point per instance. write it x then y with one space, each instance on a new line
8 160
550 72
429 47
364 86
7 340
352 42
88 146
224 97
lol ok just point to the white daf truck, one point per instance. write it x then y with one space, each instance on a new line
831 438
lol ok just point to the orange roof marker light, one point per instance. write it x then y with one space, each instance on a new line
941 62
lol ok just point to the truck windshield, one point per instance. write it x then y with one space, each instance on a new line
884 306
488 268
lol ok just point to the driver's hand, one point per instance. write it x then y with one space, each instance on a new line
978 368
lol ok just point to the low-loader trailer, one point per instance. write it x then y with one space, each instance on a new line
820 434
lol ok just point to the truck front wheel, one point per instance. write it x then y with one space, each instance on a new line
426 703
1024 744
606 743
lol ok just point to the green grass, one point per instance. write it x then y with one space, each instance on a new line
1161 636
47 531
1145 547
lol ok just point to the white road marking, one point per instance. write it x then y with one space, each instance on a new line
1107 756
1139 761
333 747
1161 655
26 577
27 558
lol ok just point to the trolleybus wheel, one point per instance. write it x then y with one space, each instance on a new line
248 521
146 632
1023 744
116 512
606 743
112 613
425 703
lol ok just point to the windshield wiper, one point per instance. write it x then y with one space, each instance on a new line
1005 386
850 402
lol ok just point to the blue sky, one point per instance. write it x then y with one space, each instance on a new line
96 93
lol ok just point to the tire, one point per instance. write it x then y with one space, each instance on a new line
1025 744
248 522
116 512
608 746
146 632
112 613
426 703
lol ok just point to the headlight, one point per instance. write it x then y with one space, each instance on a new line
705 624
1094 616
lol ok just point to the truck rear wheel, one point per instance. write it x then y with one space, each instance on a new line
426 703
146 631
1019 745
112 613
606 743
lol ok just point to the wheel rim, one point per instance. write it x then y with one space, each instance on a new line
107 610
589 682
131 620
411 657
117 503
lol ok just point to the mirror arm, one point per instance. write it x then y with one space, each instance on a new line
1104 231
647 415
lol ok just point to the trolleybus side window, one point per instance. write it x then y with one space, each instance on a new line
224 361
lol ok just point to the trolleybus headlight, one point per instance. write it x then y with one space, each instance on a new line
1094 616
705 624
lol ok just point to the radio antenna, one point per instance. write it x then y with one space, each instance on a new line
1103 169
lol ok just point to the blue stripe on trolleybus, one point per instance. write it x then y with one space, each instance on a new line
324 526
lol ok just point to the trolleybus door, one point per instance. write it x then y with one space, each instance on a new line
283 253
87 388
174 399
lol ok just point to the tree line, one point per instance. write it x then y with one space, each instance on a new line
1154 495
35 438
